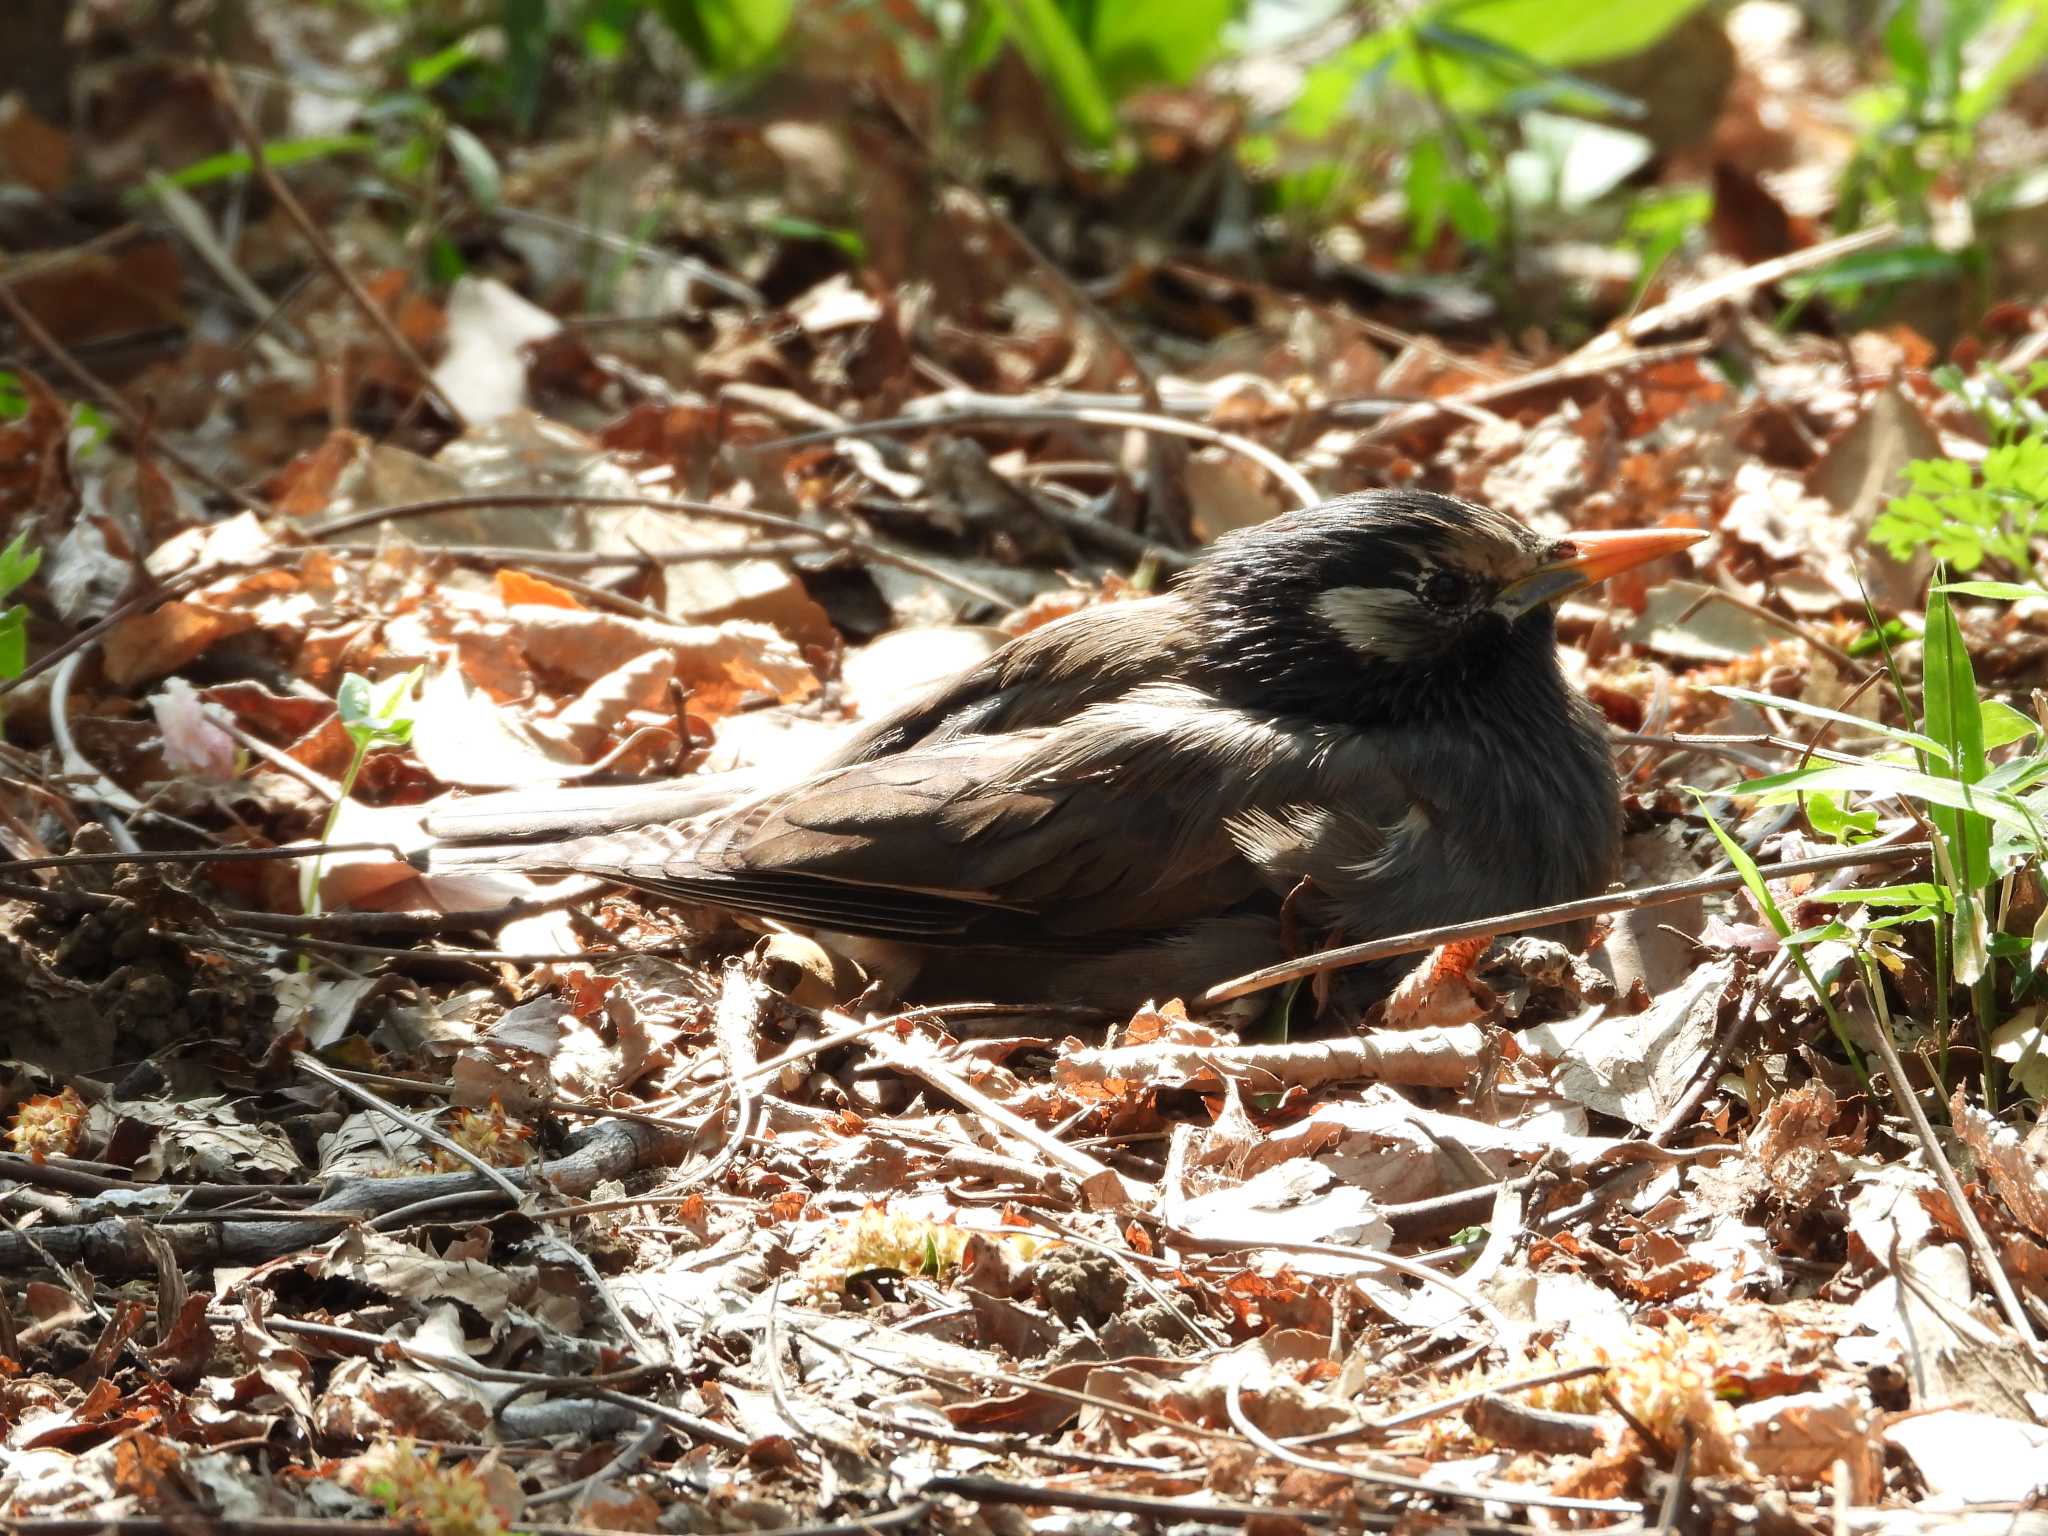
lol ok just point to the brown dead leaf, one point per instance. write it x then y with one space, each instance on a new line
153 644
2016 1166
1442 992
720 666
91 293
1802 1437
1794 1147
32 151
307 484
35 468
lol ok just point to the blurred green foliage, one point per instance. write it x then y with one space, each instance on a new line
1484 116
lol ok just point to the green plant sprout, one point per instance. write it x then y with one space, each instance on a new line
374 715
1991 512
1985 819
17 564
1795 944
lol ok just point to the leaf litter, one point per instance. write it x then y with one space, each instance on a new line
619 1214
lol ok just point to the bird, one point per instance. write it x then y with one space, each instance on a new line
1349 721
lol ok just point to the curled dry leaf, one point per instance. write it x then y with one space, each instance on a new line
639 686
2015 1165
720 665
1442 992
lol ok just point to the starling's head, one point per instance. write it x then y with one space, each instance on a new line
1393 604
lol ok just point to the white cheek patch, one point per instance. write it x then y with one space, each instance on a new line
1388 622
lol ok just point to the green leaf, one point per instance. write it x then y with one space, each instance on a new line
729 37
282 153
1814 711
1820 933
424 74
847 242
1428 183
479 167
1952 716
606 27
13 640
1137 43
1880 268
1057 54
352 702
1908 54
18 562
1659 223
1920 893
2003 591
1566 34
13 398
1482 52
1829 818
444 261
1472 216
1752 879
1883 779
526 27
2023 48
2003 725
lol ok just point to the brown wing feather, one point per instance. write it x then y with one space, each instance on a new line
1123 821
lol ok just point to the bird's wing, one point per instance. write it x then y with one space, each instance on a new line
1038 679
1128 818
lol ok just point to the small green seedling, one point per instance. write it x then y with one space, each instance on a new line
17 564
374 715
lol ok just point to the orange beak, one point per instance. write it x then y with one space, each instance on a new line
1586 558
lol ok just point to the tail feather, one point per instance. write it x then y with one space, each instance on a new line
582 810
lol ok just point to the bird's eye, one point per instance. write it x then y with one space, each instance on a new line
1444 589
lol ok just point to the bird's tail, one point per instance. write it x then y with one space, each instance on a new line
628 855
577 811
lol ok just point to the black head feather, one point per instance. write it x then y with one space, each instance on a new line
1375 609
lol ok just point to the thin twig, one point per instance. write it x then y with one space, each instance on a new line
1543 917
1490 1492
328 789
197 855
744 516
1286 475
625 245
490 556
412 1123
1580 366
86 637
1845 664
1951 1186
1680 1484
1726 1044
1444 1405
1696 303
1155 1511
322 248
